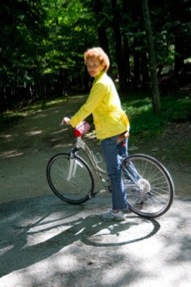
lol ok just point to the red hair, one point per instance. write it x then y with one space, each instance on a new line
98 54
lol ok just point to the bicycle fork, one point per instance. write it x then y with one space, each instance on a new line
73 163
72 169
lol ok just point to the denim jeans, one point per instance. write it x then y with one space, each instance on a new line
111 152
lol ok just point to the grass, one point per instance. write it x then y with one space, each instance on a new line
147 129
145 122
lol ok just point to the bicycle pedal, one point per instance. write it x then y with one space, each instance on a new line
92 195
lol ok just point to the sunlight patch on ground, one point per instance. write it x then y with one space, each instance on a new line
5 136
34 133
11 153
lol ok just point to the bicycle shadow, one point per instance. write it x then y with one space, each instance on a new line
95 234
39 234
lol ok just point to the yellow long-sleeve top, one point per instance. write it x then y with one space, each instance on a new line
104 104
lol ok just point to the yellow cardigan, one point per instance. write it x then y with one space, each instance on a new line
104 104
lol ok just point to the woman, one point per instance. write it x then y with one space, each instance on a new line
110 122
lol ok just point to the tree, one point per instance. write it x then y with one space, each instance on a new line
21 30
151 55
101 27
118 46
42 44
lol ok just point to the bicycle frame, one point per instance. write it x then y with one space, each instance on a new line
80 144
100 173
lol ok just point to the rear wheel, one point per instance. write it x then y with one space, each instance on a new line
149 186
70 178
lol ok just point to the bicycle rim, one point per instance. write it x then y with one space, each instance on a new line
70 178
152 194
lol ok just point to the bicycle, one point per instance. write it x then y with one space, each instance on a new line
148 184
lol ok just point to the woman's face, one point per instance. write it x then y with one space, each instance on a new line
94 67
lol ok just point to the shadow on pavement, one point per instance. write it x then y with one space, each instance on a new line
35 229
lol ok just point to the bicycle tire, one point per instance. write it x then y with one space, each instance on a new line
72 186
153 193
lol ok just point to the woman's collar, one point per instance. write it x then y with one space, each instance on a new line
100 74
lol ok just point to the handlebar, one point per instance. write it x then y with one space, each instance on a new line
83 128
80 130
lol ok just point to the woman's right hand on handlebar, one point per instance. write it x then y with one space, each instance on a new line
65 121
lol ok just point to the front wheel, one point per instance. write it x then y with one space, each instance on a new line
70 178
149 186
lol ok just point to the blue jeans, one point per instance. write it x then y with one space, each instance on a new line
111 152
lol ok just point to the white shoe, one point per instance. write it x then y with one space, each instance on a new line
113 216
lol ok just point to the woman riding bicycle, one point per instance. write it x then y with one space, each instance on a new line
110 123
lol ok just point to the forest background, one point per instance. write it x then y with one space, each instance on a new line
42 44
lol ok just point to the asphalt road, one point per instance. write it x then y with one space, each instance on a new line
45 242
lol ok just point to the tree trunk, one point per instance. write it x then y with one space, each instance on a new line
126 51
179 52
151 56
136 67
102 35
118 47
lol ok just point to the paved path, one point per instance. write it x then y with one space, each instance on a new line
45 242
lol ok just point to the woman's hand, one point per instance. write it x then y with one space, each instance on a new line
65 121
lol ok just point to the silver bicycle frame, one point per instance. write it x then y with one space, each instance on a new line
72 168
101 174
99 171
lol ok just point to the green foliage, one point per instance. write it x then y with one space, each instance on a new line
42 44
177 109
145 123
69 30
143 120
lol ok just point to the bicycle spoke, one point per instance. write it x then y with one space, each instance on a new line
152 192
70 178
